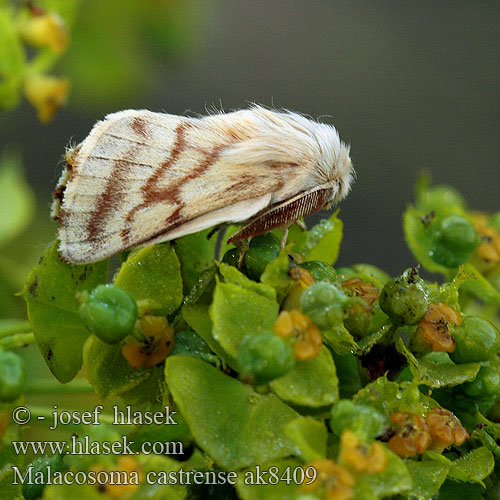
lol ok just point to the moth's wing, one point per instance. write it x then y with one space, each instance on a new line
139 176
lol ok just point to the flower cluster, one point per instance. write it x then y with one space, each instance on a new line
435 327
415 434
157 344
304 333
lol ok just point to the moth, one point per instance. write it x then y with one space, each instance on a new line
141 178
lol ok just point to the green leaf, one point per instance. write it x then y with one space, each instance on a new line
12 61
153 275
323 240
10 93
476 465
438 375
366 343
453 490
311 383
446 375
17 203
236 312
394 480
286 487
232 275
8 456
309 435
276 274
472 467
427 476
480 286
381 394
108 371
196 253
198 318
340 340
419 241
160 433
224 247
158 467
236 426
53 310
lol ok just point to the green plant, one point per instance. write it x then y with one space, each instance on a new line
386 387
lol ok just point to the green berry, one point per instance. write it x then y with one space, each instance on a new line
262 250
265 356
358 321
12 376
32 491
476 340
320 271
405 299
325 304
109 313
484 389
366 422
453 241
232 256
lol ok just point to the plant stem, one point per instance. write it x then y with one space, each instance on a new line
17 340
11 327
52 387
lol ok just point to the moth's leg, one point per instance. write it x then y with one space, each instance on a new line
284 238
214 230
71 155
301 224
243 246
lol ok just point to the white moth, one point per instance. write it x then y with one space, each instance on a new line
141 178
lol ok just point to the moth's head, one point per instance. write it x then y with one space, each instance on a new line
342 172
334 165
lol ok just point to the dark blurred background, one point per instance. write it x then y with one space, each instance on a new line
410 85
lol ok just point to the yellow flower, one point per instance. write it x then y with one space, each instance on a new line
303 276
45 30
46 93
445 429
434 329
356 287
362 457
132 469
411 436
333 480
159 341
488 250
296 325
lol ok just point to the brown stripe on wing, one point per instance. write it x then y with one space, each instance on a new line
150 192
286 213
110 199
139 126
152 195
